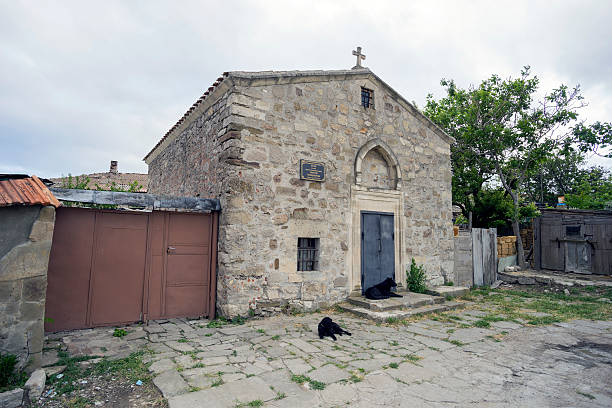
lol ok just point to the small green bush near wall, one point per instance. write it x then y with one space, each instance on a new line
9 377
415 278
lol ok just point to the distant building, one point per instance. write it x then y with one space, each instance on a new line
106 181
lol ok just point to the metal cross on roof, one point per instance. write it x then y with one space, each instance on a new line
360 57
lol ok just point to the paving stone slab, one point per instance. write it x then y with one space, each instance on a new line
178 346
470 335
49 358
303 345
226 395
162 365
297 365
339 394
170 383
281 381
329 374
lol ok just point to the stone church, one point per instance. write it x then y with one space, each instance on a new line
329 181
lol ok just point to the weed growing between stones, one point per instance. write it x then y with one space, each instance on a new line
280 395
393 365
120 333
314 384
413 358
455 342
78 402
254 403
585 394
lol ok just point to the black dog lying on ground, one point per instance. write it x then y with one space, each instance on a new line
328 328
382 290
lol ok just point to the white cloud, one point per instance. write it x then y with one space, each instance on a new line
84 83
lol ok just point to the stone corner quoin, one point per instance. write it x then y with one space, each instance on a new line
245 147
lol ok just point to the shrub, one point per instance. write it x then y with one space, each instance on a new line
415 278
9 377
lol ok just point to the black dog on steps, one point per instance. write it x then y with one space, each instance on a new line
328 328
382 290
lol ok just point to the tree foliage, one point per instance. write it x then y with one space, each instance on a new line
504 134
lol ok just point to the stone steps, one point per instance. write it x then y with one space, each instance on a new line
399 313
408 301
453 291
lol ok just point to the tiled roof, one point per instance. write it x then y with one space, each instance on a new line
23 190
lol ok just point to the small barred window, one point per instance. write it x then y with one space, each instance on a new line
367 98
308 254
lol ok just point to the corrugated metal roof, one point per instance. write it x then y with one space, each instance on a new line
24 190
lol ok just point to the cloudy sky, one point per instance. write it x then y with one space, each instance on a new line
84 82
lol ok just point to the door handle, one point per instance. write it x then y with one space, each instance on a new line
170 249
379 245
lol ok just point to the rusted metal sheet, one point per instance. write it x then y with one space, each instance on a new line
188 254
118 268
69 269
110 267
24 190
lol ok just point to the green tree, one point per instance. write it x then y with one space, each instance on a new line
557 175
591 191
595 138
505 131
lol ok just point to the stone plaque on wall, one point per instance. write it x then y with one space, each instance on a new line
312 170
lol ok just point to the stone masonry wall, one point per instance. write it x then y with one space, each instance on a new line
24 258
193 164
253 155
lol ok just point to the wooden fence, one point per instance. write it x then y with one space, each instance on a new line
484 253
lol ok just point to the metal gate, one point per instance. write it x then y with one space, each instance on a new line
110 267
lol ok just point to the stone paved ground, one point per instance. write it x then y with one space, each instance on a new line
427 363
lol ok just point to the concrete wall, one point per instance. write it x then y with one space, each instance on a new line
25 244
464 268
245 150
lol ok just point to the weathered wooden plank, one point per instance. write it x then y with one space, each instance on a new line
492 275
139 200
487 257
537 242
477 256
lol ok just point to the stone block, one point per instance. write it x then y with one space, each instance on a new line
35 384
11 399
34 289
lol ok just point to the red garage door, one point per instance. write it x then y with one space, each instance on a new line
117 267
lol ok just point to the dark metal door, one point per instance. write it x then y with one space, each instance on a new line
377 248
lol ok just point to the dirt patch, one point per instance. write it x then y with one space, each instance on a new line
104 391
